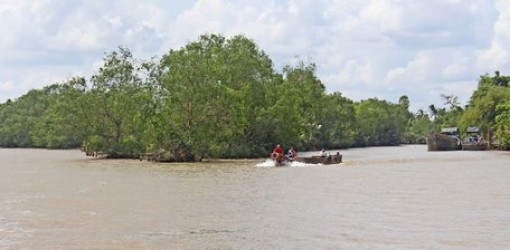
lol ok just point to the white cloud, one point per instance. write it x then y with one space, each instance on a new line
417 69
497 56
494 57
6 86
455 70
77 37
363 48
385 15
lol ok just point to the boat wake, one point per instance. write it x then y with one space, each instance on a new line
268 163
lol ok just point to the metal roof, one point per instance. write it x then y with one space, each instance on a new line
473 130
450 130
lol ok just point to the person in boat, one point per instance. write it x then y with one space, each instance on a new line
278 154
323 152
292 154
278 149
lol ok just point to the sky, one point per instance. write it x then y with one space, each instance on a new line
362 48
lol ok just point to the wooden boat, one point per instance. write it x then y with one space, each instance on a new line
447 139
283 160
473 140
325 160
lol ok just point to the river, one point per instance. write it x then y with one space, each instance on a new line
379 198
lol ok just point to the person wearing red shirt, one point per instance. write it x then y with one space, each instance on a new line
278 154
278 149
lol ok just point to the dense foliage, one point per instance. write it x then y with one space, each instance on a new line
488 109
219 97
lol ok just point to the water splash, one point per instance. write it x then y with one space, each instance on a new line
268 163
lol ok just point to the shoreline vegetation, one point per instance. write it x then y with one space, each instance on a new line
220 97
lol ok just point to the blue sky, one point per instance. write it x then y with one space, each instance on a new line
363 48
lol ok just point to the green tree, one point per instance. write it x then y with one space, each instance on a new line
447 116
307 92
418 127
67 123
502 124
213 92
379 123
482 108
338 120
22 123
116 102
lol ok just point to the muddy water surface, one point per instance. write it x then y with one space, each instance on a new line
380 198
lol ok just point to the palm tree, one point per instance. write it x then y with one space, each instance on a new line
433 110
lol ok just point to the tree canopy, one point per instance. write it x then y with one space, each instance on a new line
222 97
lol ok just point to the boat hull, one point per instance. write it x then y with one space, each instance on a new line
441 142
279 159
325 160
475 146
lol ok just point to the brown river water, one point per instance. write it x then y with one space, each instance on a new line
379 198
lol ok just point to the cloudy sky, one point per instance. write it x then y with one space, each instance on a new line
363 48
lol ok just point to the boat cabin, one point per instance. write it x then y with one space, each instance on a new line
454 131
473 134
